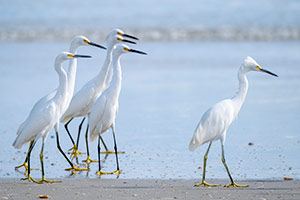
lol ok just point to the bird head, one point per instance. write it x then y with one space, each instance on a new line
68 56
251 65
123 48
120 33
82 40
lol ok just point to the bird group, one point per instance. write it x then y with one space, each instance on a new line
98 100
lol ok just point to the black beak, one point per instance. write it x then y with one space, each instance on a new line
130 36
136 51
81 56
268 72
128 41
96 45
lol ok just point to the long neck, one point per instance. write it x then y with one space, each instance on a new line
116 82
240 96
72 70
101 77
63 85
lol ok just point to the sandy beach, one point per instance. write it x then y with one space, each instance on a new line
147 189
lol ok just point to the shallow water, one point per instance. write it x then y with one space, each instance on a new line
163 98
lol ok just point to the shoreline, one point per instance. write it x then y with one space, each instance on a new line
148 189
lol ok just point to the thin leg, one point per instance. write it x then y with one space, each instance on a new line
99 148
73 167
28 159
105 147
204 169
66 127
75 152
42 166
25 162
100 172
79 130
116 151
88 159
225 165
108 151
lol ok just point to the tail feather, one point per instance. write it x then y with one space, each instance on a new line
93 135
18 143
193 144
65 119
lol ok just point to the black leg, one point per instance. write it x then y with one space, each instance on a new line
79 130
66 127
86 140
116 150
61 151
99 148
105 147
28 155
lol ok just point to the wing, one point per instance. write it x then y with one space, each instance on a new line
42 101
79 103
213 123
36 123
96 116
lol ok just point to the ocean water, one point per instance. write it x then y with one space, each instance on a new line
193 57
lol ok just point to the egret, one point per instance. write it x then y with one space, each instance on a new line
104 111
41 120
216 120
84 99
75 43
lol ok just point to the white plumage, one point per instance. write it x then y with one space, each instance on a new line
216 120
105 109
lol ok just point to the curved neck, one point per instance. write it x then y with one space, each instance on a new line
72 69
240 96
101 77
62 87
116 81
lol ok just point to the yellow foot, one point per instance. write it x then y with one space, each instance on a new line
76 169
100 173
235 185
48 181
31 179
89 160
112 152
26 167
206 184
117 172
75 153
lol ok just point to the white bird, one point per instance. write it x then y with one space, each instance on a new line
216 120
71 74
84 99
46 116
105 109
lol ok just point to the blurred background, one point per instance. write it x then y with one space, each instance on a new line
194 51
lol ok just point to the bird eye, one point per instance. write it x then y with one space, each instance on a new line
86 41
70 55
119 33
120 39
258 67
126 49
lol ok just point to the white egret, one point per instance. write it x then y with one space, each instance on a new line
104 111
41 120
84 99
216 120
75 43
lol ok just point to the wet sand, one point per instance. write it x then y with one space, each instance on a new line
147 189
